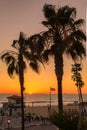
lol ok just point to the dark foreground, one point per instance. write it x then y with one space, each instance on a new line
38 127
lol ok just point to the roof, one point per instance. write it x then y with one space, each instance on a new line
14 97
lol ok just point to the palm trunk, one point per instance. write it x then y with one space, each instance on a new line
21 80
22 107
81 107
59 74
81 104
60 100
81 100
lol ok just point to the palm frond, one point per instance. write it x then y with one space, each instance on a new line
71 12
21 41
46 23
66 14
15 44
34 66
11 69
79 22
3 56
49 11
7 57
62 10
45 55
73 77
79 35
36 43
79 49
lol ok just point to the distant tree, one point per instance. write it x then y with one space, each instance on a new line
77 78
16 63
63 36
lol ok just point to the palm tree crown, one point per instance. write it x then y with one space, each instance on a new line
64 32
12 57
76 68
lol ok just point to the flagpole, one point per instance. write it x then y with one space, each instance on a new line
51 89
50 98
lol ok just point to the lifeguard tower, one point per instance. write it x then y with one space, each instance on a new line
14 105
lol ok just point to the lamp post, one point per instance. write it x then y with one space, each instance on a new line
8 121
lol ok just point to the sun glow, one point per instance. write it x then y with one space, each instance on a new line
30 93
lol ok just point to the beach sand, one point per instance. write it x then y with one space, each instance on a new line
44 111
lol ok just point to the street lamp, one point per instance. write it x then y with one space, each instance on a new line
8 121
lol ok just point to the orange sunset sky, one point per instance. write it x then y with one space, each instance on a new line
25 16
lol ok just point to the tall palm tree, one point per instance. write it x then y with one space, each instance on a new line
76 77
63 35
16 63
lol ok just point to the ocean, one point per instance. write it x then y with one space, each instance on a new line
44 99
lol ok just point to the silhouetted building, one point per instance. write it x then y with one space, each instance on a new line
14 105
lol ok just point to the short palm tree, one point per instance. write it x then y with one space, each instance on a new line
63 35
16 63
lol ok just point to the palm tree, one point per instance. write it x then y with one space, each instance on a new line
16 63
63 35
76 77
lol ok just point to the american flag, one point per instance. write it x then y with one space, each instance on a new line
52 89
